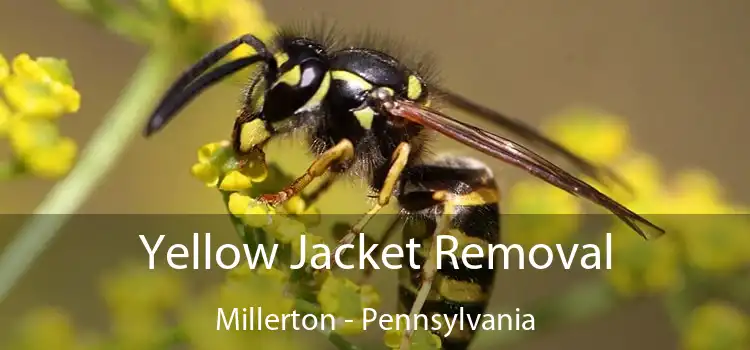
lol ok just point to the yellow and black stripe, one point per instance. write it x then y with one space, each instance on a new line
464 190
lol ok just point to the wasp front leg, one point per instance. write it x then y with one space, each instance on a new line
341 152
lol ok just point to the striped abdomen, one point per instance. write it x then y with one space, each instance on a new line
463 192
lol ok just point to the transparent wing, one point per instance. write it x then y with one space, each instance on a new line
513 153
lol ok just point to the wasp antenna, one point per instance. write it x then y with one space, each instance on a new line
170 107
529 133
186 87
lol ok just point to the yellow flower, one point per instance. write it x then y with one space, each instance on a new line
540 213
640 266
716 243
643 174
250 211
44 69
216 159
135 288
37 92
39 145
42 87
211 156
207 152
259 289
206 172
421 339
697 192
235 181
345 299
264 288
310 241
47 328
244 17
715 326
287 230
53 161
6 116
4 69
295 205
199 10
238 204
537 197
597 136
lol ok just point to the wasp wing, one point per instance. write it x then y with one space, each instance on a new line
515 154
530 134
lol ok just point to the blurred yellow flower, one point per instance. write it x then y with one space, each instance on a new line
643 267
6 116
717 326
233 18
260 289
716 243
595 135
138 299
199 10
38 144
697 192
4 69
286 230
47 328
420 340
242 17
540 213
643 173
343 298
133 287
310 241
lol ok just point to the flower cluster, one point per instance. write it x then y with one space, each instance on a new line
232 18
706 235
217 167
37 92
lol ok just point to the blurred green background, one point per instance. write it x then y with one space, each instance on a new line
675 70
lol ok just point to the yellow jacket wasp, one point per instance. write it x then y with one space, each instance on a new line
367 113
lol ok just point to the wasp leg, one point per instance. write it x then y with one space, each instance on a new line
315 194
341 152
398 163
429 269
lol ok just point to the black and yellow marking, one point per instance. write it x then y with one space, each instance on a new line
465 202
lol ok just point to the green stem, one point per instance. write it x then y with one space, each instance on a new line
113 135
